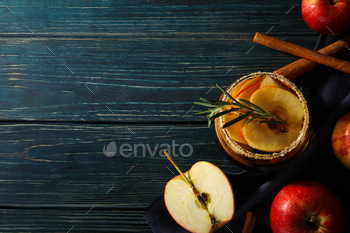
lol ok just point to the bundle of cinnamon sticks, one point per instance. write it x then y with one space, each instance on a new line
310 59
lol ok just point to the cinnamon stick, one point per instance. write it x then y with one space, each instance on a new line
249 222
311 58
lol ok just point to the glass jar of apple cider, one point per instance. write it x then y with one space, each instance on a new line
264 147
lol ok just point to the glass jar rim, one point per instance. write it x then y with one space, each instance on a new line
284 151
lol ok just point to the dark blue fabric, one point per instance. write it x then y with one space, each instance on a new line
328 94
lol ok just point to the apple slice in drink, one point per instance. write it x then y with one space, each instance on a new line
238 88
246 92
201 199
270 82
244 85
286 105
235 130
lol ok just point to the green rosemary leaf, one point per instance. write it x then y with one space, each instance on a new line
227 94
204 104
242 106
204 99
275 116
209 110
214 102
213 112
222 113
237 119
252 105
257 117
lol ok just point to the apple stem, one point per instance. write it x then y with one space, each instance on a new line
178 169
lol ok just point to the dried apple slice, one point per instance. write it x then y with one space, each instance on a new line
235 130
248 89
270 82
286 105
238 88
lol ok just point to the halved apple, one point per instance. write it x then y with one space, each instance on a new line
286 105
201 199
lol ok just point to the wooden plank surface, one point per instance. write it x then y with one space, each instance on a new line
84 17
122 79
85 61
78 75
72 220
54 173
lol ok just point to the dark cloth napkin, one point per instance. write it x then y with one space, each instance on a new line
327 92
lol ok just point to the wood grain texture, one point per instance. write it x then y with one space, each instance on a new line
76 220
77 75
64 163
145 60
139 79
61 169
84 17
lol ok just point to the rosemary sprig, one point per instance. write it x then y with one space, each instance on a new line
244 108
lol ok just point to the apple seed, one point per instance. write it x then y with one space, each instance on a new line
284 129
204 197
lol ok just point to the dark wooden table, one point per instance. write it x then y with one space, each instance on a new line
79 75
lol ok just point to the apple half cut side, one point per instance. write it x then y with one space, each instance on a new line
201 199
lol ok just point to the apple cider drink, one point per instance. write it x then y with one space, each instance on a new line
271 131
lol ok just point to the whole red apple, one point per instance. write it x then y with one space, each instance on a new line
341 140
306 207
329 17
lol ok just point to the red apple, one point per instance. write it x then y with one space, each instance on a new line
306 207
341 140
329 17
